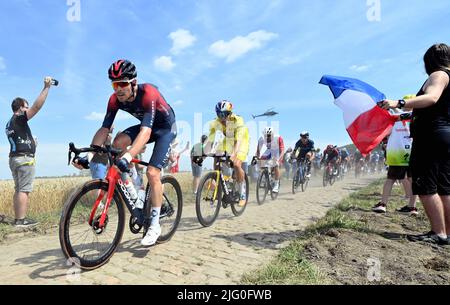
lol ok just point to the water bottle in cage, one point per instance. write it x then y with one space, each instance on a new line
129 186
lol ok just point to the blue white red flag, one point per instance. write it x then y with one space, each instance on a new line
366 123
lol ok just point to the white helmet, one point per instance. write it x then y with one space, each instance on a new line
268 131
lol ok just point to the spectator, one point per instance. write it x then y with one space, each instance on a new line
99 163
174 157
398 150
197 152
22 153
286 163
430 129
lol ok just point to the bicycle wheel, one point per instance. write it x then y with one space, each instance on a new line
305 180
262 187
208 199
295 181
325 177
171 209
235 207
89 246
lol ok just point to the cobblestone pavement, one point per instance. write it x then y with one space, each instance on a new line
220 254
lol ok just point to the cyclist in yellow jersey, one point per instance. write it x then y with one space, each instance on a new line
235 143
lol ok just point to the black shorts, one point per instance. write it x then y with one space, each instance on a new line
162 139
430 171
398 172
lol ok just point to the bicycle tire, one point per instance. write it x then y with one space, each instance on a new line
198 199
166 236
295 182
70 250
235 208
325 177
260 198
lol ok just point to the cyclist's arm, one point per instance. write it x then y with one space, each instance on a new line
281 148
297 145
241 130
207 146
141 139
258 148
100 136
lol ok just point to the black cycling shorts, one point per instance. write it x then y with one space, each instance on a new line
398 172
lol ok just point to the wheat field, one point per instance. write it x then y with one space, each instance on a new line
49 194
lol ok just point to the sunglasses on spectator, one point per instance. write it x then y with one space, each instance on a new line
121 84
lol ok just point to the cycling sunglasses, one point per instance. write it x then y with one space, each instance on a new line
223 114
121 84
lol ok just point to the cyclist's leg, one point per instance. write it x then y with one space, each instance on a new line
160 156
309 156
125 138
158 161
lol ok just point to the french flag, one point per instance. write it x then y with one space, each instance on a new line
366 123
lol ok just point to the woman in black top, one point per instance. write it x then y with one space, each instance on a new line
430 156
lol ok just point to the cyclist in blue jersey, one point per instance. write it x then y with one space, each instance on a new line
305 149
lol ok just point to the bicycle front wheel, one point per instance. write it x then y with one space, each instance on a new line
89 246
235 207
208 199
171 209
295 181
325 176
304 181
262 187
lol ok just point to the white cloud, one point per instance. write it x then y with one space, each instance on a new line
99 116
239 45
164 63
2 64
178 103
181 39
357 68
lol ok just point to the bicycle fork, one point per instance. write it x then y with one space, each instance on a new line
112 178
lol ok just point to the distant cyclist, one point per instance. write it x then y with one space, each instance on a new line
235 143
331 156
305 149
345 156
274 151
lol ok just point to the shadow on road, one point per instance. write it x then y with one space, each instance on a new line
268 240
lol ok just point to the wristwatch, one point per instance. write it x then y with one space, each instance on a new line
401 104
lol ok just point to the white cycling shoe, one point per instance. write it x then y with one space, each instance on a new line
152 236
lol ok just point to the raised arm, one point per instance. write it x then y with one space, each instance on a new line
40 99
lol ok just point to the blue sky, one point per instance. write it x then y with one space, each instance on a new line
257 53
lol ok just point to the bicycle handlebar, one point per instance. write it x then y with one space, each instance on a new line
93 148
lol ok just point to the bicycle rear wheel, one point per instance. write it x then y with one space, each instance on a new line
235 207
208 199
171 209
325 176
89 246
262 187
